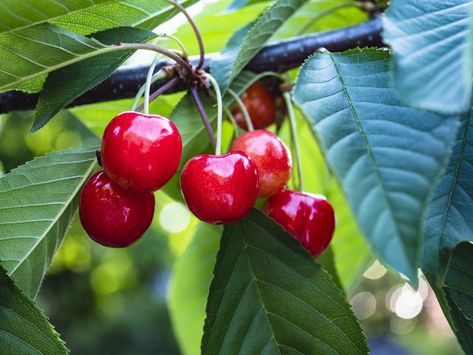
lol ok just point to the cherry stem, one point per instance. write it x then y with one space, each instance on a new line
172 82
149 78
196 31
158 76
203 114
218 94
232 120
163 51
294 138
243 109
185 54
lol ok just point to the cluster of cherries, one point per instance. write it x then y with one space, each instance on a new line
140 153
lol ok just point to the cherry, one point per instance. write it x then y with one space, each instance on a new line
141 152
220 188
260 104
309 218
271 156
111 215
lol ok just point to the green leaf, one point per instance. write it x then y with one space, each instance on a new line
39 50
189 288
195 139
386 156
265 26
268 296
24 329
450 216
430 41
459 293
144 14
64 85
37 203
15 14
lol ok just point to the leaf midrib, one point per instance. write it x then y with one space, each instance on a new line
453 188
370 153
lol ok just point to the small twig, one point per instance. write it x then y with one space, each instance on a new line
200 107
244 111
169 85
196 31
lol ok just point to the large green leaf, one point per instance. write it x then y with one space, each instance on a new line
16 14
459 293
37 203
450 217
24 329
38 50
430 40
27 55
265 26
268 296
144 14
386 156
64 85
189 288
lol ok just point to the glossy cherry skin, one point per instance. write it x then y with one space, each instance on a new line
220 188
309 218
141 152
111 215
271 156
260 104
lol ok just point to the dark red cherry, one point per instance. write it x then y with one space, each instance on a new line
111 215
141 152
271 156
309 218
220 188
260 105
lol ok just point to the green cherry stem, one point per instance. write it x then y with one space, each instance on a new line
218 94
232 120
184 52
294 138
243 109
149 79
158 76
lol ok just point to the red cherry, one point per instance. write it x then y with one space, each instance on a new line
309 218
271 156
111 215
261 107
141 152
220 188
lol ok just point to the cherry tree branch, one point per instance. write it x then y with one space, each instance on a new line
280 57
